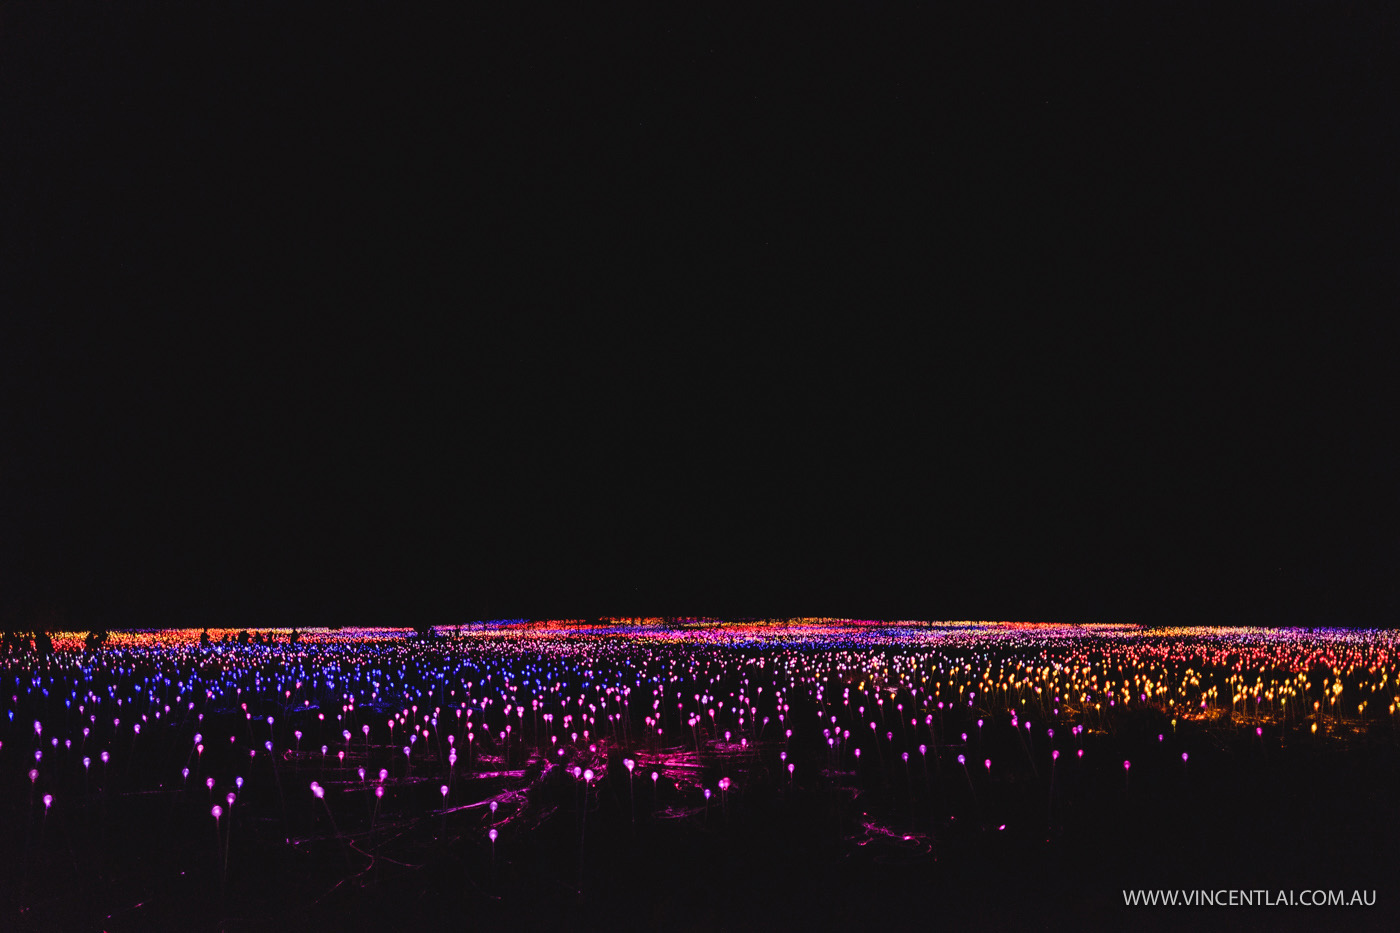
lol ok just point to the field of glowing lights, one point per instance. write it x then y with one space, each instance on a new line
657 774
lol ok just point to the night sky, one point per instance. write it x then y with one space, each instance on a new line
334 313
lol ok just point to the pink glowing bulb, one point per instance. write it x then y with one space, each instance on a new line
857 753
962 760
1055 755
48 801
791 767
383 775
217 812
493 836
378 790
494 805
588 776
1127 765
318 790
987 764
209 783
707 793
1184 756
629 764
33 776
1080 753
184 772
87 764
724 783
231 797
443 790
655 777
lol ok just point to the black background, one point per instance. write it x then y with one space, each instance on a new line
373 313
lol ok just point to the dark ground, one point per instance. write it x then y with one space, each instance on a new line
1309 812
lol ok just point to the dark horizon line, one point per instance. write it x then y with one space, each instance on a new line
687 618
